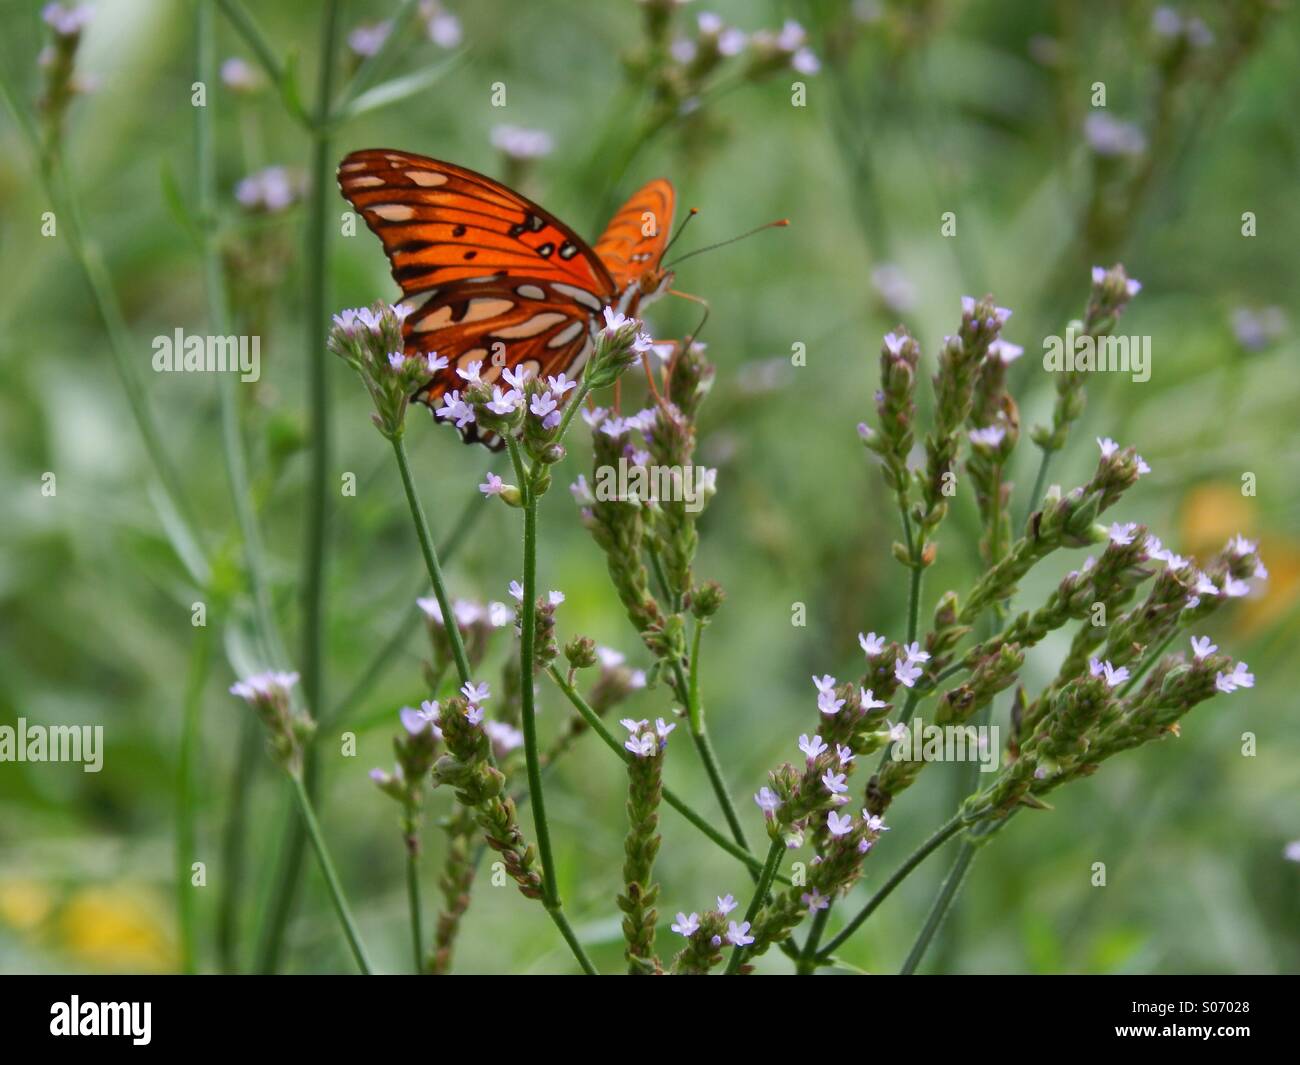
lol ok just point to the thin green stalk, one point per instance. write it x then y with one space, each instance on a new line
232 843
331 877
761 889
431 562
365 74
1040 483
807 963
1147 662
700 737
914 601
314 550
413 902
947 893
186 800
670 797
562 923
528 715
937 840
402 631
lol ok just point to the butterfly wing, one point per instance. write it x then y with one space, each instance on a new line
636 236
487 275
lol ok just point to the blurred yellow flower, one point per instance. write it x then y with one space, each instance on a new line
24 904
117 927
1212 513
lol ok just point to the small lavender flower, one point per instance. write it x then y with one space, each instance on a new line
839 824
811 747
738 934
1238 678
872 645
767 801
686 925
815 900
828 704
726 903
1201 647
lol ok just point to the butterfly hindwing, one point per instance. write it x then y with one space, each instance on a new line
634 241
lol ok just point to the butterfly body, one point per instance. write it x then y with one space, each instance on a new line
488 276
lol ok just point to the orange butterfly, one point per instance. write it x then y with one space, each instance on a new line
488 276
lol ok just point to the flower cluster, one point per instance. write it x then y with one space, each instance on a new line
369 339
289 728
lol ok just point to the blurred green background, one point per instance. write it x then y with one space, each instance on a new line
917 109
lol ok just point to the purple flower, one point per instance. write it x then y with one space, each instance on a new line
470 372
396 360
504 403
434 362
474 714
686 926
834 782
839 824
872 644
521 143
814 900
542 404
844 753
991 436
828 704
811 747
413 720
915 654
1122 534
475 693
1107 445
1201 647
906 673
561 385
493 486
1114 677
869 702
767 801
517 591
726 903
738 934
825 683
515 378
1238 678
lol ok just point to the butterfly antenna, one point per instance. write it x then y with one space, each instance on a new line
680 230
779 223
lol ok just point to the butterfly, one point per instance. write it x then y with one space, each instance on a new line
489 276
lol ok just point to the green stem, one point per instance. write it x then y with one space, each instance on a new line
807 963
317 503
402 632
937 840
947 893
431 562
562 923
670 797
413 899
527 654
233 836
761 890
185 796
327 870
689 693
914 600
1040 483
365 74
1147 662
